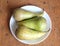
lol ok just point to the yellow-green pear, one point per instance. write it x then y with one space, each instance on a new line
21 14
24 33
37 23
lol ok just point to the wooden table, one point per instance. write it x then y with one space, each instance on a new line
52 7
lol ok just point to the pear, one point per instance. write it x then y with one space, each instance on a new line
24 33
36 23
21 14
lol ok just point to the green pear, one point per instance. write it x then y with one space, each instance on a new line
20 14
37 23
24 33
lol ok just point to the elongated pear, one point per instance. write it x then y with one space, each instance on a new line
24 33
20 14
37 23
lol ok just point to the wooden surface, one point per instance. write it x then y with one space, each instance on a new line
52 7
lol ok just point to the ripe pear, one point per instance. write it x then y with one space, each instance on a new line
21 14
24 33
37 23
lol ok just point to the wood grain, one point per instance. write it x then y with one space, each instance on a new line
52 7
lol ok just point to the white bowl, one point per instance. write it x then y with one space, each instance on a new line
31 8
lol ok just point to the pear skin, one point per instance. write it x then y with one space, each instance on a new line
21 14
37 23
24 33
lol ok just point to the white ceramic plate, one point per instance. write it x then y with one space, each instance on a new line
31 8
